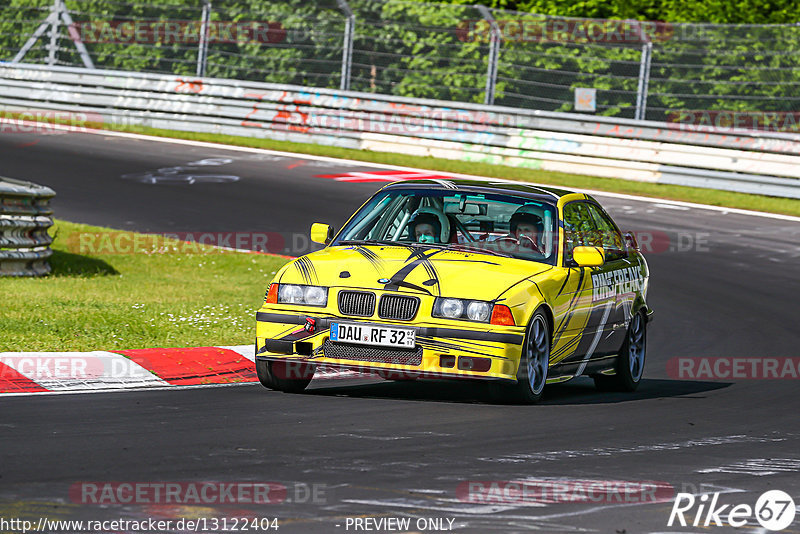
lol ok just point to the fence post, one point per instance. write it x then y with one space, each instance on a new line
47 23
52 47
202 51
75 34
494 53
347 45
644 80
59 10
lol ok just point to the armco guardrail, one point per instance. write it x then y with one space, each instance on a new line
24 219
745 161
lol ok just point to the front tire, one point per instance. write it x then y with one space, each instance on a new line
289 377
630 362
533 366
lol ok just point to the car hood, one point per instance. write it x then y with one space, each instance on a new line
439 271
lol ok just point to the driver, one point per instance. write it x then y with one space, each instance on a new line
526 226
426 226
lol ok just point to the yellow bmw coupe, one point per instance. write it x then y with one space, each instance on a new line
495 281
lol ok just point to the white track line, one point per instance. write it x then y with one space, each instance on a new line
127 390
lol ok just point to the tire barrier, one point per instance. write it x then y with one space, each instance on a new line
25 216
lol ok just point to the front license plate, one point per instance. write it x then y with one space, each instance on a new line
365 334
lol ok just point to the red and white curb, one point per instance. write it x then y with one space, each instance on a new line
64 372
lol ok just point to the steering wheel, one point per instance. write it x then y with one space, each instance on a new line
523 242
528 242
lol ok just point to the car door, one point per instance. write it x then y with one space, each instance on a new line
576 322
612 282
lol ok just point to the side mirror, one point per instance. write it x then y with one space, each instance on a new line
588 256
321 233
631 241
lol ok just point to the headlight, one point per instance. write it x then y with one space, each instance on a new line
452 308
316 296
289 294
470 310
308 295
479 311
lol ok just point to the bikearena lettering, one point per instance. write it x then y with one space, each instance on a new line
613 283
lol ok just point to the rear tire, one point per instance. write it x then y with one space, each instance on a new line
533 366
630 362
289 377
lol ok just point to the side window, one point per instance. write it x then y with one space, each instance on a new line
391 219
396 224
612 241
580 229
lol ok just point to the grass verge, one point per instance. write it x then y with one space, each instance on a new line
133 296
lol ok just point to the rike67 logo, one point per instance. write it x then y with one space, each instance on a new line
774 510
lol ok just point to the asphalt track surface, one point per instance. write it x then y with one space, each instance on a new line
722 284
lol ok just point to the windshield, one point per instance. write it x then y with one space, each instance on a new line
494 224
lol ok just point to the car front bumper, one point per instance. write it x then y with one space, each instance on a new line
475 351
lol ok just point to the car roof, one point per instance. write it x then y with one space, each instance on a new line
499 186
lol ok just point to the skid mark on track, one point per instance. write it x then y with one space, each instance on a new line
364 436
441 505
26 145
187 174
614 451
758 467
